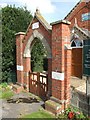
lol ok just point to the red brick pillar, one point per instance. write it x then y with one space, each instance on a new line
27 70
61 60
19 57
60 34
67 75
60 38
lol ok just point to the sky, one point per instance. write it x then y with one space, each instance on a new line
51 10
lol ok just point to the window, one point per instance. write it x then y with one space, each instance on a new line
86 16
73 44
76 43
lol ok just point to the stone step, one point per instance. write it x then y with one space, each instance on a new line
53 106
17 88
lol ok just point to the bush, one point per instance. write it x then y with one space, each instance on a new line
77 114
73 113
3 85
5 91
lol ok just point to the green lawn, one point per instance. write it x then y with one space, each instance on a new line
40 114
5 91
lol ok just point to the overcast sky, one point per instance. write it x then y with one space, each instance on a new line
52 10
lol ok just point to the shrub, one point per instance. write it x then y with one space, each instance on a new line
5 91
3 85
73 113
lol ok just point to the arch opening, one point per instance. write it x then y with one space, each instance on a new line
39 61
30 43
36 74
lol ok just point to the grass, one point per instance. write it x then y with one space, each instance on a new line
5 91
6 94
40 114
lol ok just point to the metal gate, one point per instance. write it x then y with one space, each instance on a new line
38 84
76 64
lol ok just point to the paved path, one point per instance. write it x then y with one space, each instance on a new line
76 82
16 110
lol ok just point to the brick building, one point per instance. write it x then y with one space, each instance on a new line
58 38
79 17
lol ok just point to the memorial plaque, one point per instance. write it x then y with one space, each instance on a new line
58 76
20 68
86 58
35 25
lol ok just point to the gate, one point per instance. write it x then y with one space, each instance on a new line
76 64
38 84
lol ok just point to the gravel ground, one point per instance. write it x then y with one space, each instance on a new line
16 110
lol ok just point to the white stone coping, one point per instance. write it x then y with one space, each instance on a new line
61 21
20 33
66 46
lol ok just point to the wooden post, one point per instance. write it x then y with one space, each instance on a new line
38 83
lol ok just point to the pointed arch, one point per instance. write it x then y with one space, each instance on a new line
28 48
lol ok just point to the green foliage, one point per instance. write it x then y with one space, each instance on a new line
40 114
6 94
3 85
13 20
62 116
5 91
77 114
38 54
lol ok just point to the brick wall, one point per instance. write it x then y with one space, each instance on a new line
80 9
61 63
80 100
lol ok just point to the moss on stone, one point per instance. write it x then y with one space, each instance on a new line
53 104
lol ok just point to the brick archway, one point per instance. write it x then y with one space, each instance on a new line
36 34
40 29
56 40
28 49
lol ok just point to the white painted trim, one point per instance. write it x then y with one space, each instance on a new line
76 44
77 47
72 42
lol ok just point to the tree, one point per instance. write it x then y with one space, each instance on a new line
38 55
13 20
